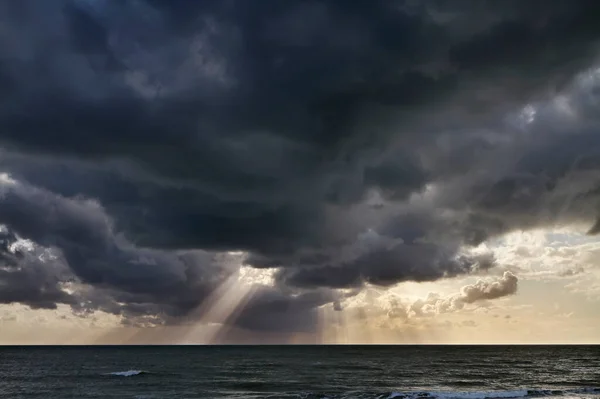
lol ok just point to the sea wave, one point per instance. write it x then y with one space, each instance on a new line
518 393
460 395
507 394
128 373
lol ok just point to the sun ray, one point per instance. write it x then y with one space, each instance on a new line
323 327
339 323
220 308
362 333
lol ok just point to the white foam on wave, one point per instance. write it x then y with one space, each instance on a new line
520 393
510 394
127 373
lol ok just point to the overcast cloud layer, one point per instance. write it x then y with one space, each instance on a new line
342 143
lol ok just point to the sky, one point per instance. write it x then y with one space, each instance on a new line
303 172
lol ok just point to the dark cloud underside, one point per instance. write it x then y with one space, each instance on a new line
142 140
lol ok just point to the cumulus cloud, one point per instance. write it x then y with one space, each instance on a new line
483 290
480 291
143 141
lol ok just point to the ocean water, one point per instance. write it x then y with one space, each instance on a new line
411 372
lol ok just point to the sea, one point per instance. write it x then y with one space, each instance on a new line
402 372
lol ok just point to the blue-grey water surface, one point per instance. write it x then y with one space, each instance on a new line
462 372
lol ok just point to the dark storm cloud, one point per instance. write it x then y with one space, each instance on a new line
146 137
96 269
413 262
96 255
34 283
30 276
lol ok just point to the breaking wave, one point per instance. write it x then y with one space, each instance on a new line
128 373
509 394
519 393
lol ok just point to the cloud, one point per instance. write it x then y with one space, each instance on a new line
544 255
78 239
80 261
143 141
571 272
469 323
483 290
480 291
415 262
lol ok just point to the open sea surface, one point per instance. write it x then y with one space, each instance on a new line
410 372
